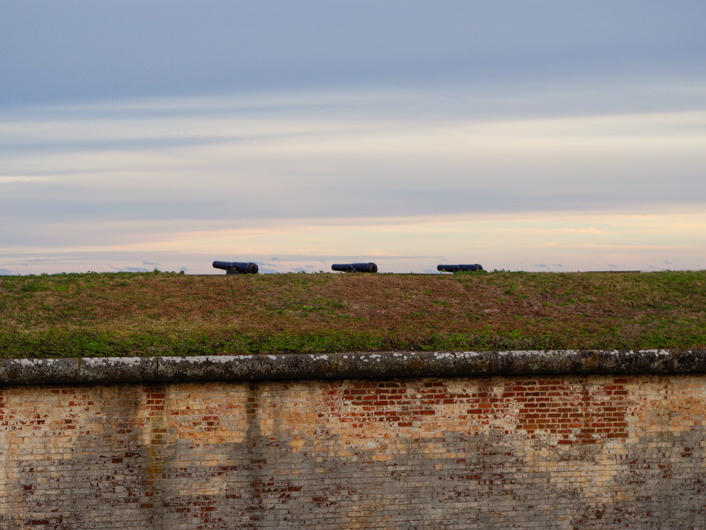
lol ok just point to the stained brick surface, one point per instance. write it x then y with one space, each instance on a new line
547 452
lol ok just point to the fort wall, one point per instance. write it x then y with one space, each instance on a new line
396 440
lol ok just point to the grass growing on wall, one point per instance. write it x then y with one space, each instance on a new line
136 314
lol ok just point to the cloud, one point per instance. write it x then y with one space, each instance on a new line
332 160
155 266
129 269
122 49
519 241
505 133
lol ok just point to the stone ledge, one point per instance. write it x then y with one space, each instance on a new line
354 365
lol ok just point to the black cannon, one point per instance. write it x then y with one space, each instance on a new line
235 267
355 267
459 268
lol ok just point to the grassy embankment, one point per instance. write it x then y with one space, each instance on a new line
128 314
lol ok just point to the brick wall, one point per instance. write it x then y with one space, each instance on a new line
544 452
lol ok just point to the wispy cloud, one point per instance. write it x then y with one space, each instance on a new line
510 134
333 161
560 241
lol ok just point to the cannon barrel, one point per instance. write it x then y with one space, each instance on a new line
459 268
355 267
236 267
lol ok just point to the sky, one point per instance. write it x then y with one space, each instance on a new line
552 135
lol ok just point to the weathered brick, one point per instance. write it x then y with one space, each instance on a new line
461 452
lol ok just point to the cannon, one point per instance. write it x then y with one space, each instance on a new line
459 268
236 267
355 267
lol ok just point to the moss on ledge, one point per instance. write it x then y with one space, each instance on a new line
354 365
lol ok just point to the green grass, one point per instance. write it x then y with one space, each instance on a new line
141 314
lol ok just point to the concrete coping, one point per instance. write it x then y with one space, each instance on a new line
354 365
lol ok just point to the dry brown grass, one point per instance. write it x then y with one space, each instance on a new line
165 313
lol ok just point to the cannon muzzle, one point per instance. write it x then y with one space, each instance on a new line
236 267
459 268
355 267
